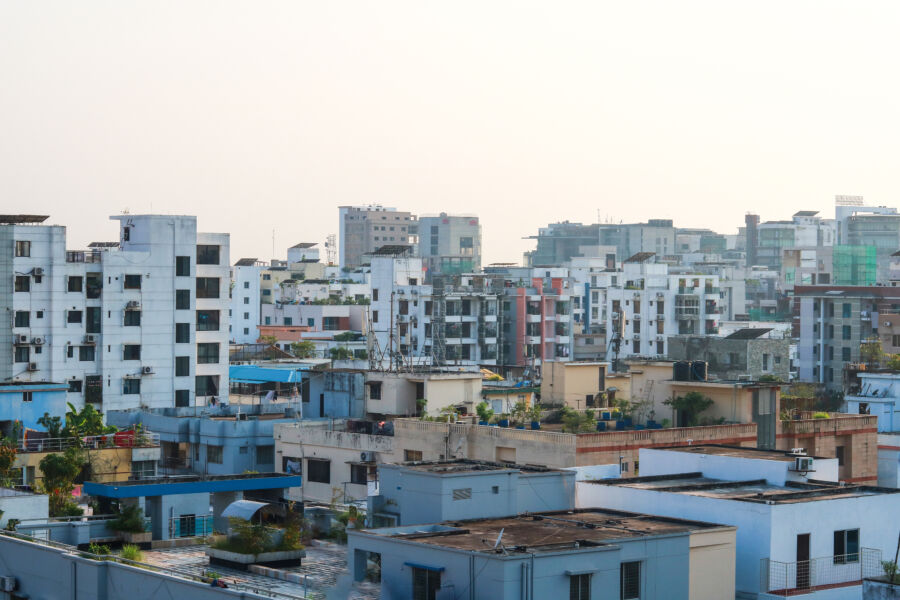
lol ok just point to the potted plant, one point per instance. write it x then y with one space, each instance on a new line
257 544
130 525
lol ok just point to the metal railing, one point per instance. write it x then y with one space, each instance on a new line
198 526
144 439
790 578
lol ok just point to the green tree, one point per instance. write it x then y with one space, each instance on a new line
690 405
88 421
340 353
346 336
871 352
484 411
53 425
59 471
304 349
269 340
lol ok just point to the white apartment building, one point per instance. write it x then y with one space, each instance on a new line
141 322
245 300
646 305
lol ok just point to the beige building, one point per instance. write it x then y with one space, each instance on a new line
365 229
574 384
400 394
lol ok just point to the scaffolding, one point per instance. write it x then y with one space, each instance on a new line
854 265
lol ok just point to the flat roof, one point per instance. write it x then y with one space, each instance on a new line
441 467
21 219
543 532
740 452
752 490
192 484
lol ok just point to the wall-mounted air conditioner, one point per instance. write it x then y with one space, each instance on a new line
38 341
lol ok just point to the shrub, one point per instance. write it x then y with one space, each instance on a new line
246 537
821 415
132 552
890 569
98 549
130 520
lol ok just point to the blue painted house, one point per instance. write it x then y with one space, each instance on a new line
26 402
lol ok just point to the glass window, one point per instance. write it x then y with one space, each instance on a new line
23 248
630 580
580 587
265 455
23 354
182 398
412 455
846 546
132 282
182 266
845 312
207 353
359 474
182 366
23 283
845 332
76 284
845 354
318 471
132 386
206 385
132 318
93 318
23 318
207 255
288 320
75 386
214 454
131 352
73 316
183 299
182 333
207 287
426 583
207 320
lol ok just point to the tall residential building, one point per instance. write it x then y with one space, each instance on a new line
559 242
450 244
142 322
365 229
805 230
246 275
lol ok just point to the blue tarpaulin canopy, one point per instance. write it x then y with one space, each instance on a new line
243 509
254 374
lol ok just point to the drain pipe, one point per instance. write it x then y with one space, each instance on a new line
524 582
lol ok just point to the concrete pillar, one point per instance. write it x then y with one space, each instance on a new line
359 564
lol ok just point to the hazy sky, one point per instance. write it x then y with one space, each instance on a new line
258 115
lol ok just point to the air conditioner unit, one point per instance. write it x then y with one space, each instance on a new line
803 463
367 456
147 370
38 341
90 338
132 304
37 271
21 339
8 583
32 367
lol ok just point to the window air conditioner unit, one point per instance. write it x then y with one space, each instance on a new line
32 367
146 370
90 338
803 463
37 271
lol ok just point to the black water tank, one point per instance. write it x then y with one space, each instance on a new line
681 370
698 370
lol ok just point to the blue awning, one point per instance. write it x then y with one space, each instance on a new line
255 374
243 509
425 567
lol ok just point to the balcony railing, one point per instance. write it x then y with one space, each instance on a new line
194 526
793 578
145 439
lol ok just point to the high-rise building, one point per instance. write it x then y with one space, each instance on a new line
365 229
141 322
246 276
450 244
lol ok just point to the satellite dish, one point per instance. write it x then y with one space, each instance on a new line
497 544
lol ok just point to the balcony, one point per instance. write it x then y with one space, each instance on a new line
808 576
125 439
531 318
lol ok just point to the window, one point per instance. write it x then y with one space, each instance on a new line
845 354
845 312
839 454
182 299
23 248
182 333
318 471
375 390
359 474
131 352
85 353
23 354
495 489
246 316
23 283
207 354
214 454
426 583
73 316
75 386
580 587
288 320
374 295
131 386
845 332
265 455
846 546
143 469
207 320
182 366
132 282
182 266
630 580
76 284
207 255
374 316
182 398
206 385
132 318
207 287
462 494
23 318
895 340
246 285
412 455
246 331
